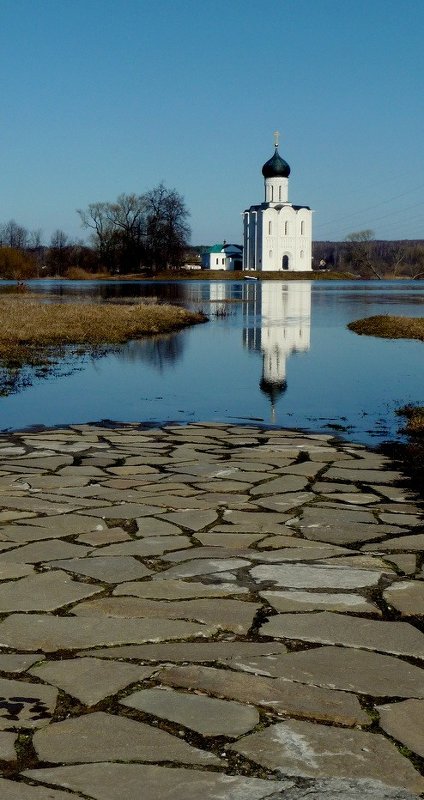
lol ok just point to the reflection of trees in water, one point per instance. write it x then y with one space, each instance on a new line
159 351
16 379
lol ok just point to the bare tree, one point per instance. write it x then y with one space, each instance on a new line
360 252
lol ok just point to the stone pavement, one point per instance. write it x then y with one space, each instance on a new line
208 611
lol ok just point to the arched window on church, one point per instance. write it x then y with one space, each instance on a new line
285 263
279 192
286 229
272 194
270 227
270 253
302 228
302 254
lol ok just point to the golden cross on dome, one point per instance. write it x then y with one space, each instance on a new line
276 138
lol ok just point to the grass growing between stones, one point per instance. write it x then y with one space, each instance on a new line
32 332
388 327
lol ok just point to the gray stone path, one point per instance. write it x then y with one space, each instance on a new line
208 612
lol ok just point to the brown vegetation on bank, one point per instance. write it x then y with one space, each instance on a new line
389 327
34 332
414 419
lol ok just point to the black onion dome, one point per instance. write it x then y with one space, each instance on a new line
276 167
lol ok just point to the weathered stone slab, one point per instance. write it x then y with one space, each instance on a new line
341 526
284 502
47 550
412 542
108 536
192 520
205 715
202 566
283 697
123 511
68 524
7 747
90 679
317 552
43 592
147 546
315 601
46 633
364 475
25 705
398 638
358 671
285 483
18 662
14 790
406 597
230 615
404 520
343 789
176 589
255 521
106 737
150 526
123 781
302 576
222 652
404 721
11 570
228 540
305 750
109 569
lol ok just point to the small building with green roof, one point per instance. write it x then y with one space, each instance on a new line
223 257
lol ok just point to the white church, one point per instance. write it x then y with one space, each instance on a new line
277 234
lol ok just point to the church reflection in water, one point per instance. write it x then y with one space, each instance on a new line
277 323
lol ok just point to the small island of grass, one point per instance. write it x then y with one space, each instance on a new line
34 332
388 327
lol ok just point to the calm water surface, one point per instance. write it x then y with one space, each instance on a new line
275 353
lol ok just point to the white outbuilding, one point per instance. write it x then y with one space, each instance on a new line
277 234
223 256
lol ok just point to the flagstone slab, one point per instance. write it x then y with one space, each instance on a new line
7 748
316 601
104 737
256 521
150 526
365 475
318 552
403 543
404 520
202 566
46 591
316 576
325 627
285 483
192 520
17 662
223 652
123 511
37 504
47 633
108 781
12 570
229 615
205 715
226 540
25 705
404 721
359 671
44 551
109 569
147 546
406 597
108 536
406 562
90 679
17 790
68 524
176 589
343 789
282 696
298 748
284 502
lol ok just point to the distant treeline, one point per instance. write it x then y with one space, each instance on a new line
371 258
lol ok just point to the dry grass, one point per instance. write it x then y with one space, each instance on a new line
389 327
414 419
32 332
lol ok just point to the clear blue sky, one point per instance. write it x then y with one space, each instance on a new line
101 97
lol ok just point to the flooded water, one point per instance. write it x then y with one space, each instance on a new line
273 353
